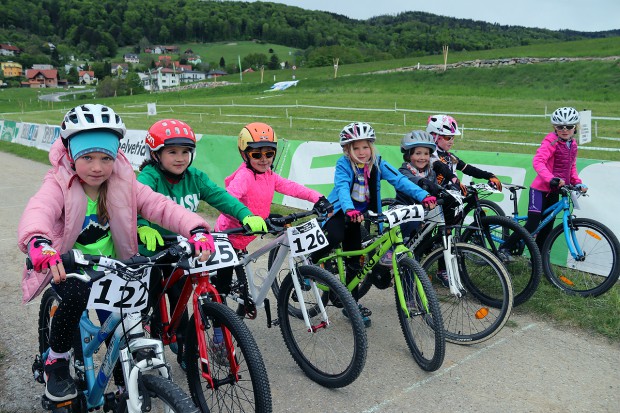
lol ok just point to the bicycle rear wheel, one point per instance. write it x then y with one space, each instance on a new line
332 354
423 328
590 276
486 300
251 392
163 396
525 265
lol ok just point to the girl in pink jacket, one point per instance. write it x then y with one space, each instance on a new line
254 184
555 163
89 200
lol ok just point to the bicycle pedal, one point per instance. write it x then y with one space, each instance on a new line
275 322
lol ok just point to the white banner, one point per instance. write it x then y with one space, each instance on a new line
585 127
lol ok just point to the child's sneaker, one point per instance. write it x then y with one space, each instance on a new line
442 275
386 260
59 384
365 312
218 353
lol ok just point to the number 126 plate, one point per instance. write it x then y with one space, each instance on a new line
306 238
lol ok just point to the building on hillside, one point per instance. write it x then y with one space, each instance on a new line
119 69
160 78
86 77
192 76
214 74
131 58
194 60
43 66
41 78
11 69
7 49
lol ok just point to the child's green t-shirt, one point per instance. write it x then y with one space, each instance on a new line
95 238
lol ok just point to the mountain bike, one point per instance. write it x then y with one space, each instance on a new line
327 346
489 229
479 298
119 286
237 381
580 255
416 303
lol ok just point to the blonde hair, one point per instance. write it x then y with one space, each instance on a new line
346 149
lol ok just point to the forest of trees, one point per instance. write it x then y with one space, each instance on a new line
96 28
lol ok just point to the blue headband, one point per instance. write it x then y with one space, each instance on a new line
94 141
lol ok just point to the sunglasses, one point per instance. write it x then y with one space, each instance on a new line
565 127
446 137
258 154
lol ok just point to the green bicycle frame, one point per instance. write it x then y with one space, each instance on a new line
392 238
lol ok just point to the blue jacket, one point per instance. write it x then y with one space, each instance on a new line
340 196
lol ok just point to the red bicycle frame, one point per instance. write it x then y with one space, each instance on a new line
198 287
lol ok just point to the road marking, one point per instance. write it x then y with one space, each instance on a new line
379 407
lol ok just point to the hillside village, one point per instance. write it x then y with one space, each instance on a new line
166 73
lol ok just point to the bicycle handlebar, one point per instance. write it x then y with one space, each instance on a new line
75 259
275 225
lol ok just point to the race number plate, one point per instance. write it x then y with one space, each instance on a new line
224 255
404 213
306 238
112 293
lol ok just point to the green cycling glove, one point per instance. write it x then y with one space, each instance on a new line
150 237
255 223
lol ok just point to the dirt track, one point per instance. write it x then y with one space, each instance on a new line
530 366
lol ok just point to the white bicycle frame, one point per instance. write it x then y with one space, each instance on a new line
259 292
452 266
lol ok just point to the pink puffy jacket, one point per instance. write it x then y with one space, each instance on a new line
547 160
256 192
57 212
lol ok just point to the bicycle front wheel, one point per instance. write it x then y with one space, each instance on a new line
484 303
163 395
423 328
248 390
49 304
525 264
590 275
330 352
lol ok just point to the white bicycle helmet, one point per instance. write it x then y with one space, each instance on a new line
417 138
89 117
442 125
565 116
357 131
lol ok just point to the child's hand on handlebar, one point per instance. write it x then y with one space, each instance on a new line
202 242
429 202
42 256
355 215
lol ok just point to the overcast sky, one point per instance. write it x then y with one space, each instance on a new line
588 16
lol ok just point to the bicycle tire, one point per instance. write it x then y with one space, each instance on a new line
251 393
487 299
597 273
525 267
331 355
166 391
47 308
423 329
489 208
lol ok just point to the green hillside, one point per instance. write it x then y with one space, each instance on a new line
318 107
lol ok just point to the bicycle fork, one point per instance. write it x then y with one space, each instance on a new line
452 266
315 290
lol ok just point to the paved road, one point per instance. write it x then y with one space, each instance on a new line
55 97
530 366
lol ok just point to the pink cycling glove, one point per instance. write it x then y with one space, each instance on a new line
429 200
42 254
201 240
354 214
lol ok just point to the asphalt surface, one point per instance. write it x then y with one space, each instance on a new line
530 366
